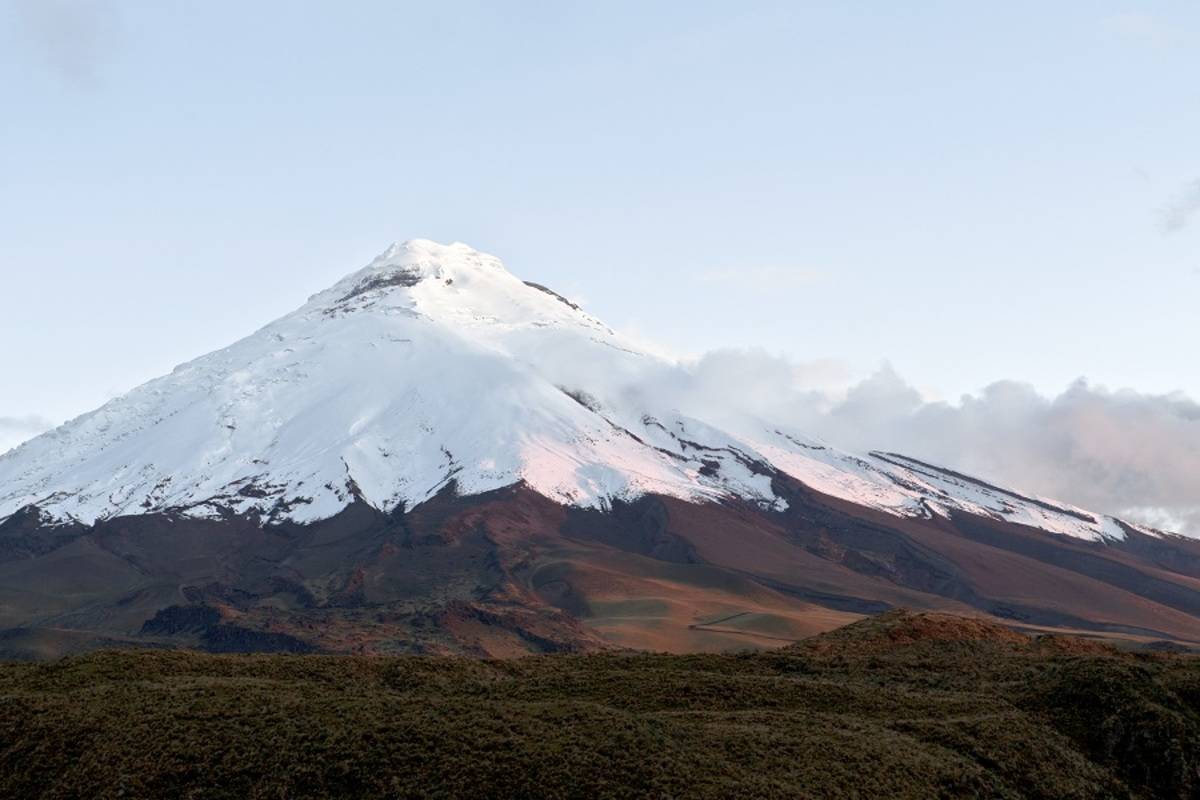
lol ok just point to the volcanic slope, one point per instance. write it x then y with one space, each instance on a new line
434 454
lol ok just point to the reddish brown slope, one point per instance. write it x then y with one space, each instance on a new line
512 572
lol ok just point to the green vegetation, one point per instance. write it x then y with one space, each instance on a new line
902 705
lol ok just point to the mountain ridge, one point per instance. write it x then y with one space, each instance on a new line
309 411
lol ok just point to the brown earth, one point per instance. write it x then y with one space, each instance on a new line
510 573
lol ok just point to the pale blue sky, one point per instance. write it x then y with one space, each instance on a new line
970 190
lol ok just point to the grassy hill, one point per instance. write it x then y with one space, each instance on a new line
901 705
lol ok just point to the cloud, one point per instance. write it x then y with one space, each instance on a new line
1143 28
75 37
14 430
1125 453
1122 452
1179 213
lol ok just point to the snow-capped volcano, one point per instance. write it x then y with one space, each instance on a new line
435 367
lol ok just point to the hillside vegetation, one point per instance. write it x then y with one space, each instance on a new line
901 705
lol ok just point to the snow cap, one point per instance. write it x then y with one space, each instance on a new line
430 258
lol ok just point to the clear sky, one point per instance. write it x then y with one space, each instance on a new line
969 191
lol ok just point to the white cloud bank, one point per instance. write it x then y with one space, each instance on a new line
1120 452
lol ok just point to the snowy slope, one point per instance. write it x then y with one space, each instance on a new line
434 365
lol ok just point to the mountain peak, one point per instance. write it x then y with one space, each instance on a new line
428 253
434 367
411 262
449 283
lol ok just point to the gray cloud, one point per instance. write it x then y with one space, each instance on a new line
1125 453
75 37
1121 452
14 430
1179 213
